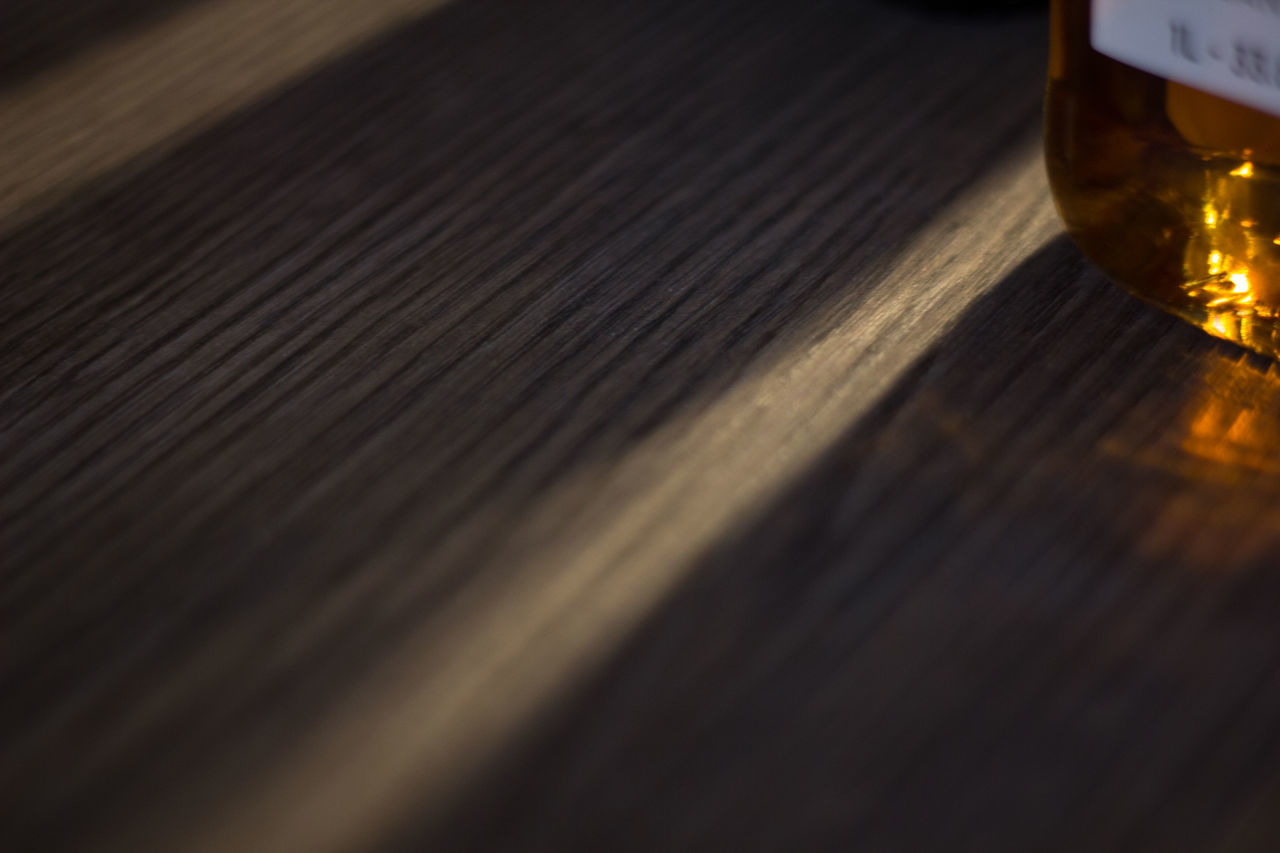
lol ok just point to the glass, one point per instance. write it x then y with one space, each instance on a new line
1173 192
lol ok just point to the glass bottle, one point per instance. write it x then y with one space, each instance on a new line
1163 151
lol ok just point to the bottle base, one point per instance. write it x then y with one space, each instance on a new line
1253 330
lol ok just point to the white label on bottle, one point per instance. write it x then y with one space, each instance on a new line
1230 48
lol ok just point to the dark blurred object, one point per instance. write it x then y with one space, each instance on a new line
970 7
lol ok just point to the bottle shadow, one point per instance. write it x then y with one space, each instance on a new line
1029 603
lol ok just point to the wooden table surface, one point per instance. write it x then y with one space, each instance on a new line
542 425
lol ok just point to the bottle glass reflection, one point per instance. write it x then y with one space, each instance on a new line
1174 189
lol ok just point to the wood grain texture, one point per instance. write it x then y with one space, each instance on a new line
135 90
644 426
38 34
1028 603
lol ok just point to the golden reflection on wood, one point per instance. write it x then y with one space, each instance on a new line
1222 460
1235 421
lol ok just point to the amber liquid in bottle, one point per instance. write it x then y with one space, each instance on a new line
1171 191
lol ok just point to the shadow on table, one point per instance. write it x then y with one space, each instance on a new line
1031 602
423 286
39 34
416 290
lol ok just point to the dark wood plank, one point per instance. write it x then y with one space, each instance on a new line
448 438
37 34
1029 603
152 81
